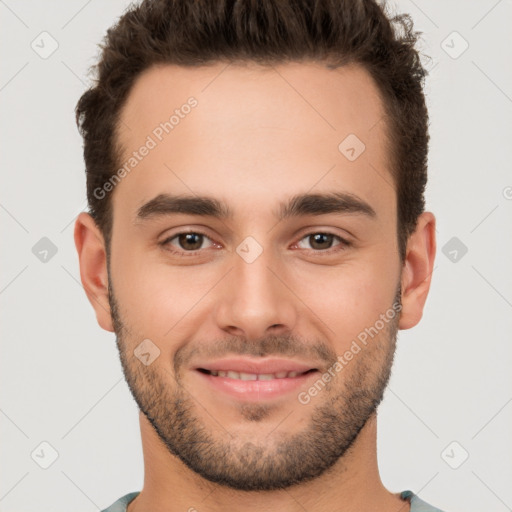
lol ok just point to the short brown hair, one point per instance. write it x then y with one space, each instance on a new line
200 32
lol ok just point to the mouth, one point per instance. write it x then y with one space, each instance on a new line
230 374
251 380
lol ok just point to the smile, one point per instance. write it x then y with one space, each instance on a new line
230 374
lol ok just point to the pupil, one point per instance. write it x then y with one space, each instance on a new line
193 239
320 238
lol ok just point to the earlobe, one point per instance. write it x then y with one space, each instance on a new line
417 270
92 257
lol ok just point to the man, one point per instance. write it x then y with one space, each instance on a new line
256 238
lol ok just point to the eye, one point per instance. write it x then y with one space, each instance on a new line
190 241
323 242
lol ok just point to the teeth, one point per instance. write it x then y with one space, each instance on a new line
246 376
253 376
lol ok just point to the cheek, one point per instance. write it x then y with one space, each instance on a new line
349 298
156 297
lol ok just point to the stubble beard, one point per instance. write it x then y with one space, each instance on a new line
281 460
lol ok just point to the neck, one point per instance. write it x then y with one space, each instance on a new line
352 484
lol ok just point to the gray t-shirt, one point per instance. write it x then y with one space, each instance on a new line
417 505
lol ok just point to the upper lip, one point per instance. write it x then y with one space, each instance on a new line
244 365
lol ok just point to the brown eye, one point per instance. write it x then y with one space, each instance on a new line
190 241
322 242
186 242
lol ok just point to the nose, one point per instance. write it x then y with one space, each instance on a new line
255 301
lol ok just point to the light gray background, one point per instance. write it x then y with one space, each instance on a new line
61 381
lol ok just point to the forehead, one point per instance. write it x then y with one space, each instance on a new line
227 129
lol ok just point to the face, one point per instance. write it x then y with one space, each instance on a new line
258 259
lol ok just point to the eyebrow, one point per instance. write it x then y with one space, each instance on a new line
298 205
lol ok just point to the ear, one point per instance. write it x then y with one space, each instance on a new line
92 256
417 270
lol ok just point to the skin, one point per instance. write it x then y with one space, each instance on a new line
257 137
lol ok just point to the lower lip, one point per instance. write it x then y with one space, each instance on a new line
256 390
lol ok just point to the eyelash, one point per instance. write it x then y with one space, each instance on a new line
344 244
